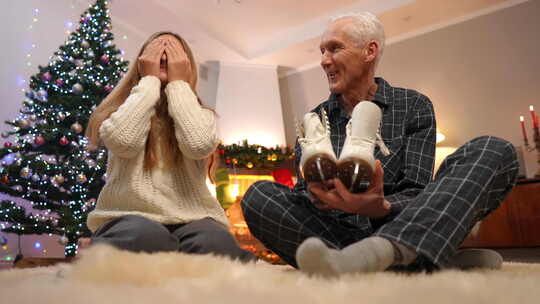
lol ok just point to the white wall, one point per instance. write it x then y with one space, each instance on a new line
481 75
208 83
249 105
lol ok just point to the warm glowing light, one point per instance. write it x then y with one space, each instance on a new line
240 225
440 137
440 155
234 190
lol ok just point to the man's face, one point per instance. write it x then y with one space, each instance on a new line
342 59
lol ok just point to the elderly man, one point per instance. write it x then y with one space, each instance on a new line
404 218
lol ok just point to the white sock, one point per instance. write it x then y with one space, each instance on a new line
403 254
369 255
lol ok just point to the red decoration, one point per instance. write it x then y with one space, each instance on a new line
283 176
8 144
40 140
105 59
5 179
108 88
221 152
59 82
46 76
63 141
228 161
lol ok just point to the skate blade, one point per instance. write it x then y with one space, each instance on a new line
319 168
356 174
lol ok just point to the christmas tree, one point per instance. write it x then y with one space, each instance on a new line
43 159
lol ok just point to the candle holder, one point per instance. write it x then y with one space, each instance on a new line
536 139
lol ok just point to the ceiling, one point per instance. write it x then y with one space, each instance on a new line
281 32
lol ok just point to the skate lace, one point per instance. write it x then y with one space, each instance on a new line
380 142
300 131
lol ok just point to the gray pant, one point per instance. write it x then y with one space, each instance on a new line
137 233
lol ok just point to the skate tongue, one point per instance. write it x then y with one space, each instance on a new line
381 145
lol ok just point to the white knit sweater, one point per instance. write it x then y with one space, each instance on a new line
166 195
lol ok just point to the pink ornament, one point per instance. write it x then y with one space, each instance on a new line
46 76
8 144
104 59
59 82
108 88
40 140
63 141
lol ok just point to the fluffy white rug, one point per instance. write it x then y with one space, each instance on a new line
106 275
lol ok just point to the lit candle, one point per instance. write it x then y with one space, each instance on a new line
534 117
522 121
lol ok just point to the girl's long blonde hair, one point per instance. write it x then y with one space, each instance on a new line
161 125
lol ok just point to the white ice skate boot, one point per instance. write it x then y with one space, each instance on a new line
318 161
356 165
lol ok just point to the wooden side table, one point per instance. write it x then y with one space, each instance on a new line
516 223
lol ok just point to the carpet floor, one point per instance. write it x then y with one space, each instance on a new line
106 275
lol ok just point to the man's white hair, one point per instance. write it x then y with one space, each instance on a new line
364 27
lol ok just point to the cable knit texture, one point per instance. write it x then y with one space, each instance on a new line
166 195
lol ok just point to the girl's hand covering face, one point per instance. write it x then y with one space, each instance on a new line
178 64
148 62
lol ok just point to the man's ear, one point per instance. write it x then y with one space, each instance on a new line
372 51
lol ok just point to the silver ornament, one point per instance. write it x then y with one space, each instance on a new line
85 44
72 73
18 188
90 162
61 116
35 178
42 93
63 240
79 62
26 172
77 88
32 117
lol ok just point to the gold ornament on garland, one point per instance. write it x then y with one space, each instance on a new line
254 156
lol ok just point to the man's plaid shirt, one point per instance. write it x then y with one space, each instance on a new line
408 130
